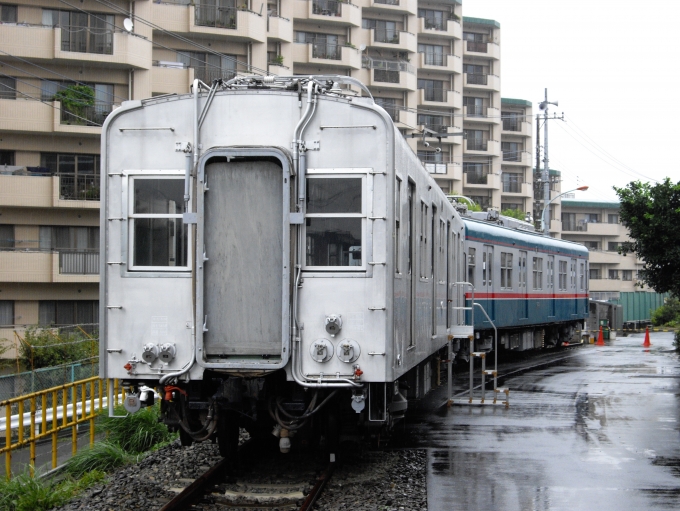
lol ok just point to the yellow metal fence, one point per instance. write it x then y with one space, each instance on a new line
42 415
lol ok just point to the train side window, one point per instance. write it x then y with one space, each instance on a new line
572 274
484 268
423 240
397 225
506 270
158 237
582 276
538 272
335 221
563 275
471 267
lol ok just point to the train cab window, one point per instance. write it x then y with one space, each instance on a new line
157 235
538 272
334 221
471 267
506 270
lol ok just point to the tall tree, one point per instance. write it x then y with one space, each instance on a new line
652 215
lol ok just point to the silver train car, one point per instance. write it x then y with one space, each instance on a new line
275 257
273 249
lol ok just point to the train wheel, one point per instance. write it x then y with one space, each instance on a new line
228 434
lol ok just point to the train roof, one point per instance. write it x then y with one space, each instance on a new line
477 230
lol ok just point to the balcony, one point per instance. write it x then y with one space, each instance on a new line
324 54
389 74
118 50
279 29
393 40
434 63
440 98
24 266
481 113
233 24
395 6
169 77
595 228
487 49
38 190
516 127
481 180
33 116
445 130
482 82
449 29
328 11
517 189
482 146
518 157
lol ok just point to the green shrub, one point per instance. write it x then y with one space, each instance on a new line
44 347
137 432
102 457
667 314
76 99
514 213
27 493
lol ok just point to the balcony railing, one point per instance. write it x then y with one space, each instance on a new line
478 47
78 262
475 178
437 128
87 40
387 36
476 110
476 145
473 79
215 16
382 75
86 116
392 110
512 155
512 186
79 186
327 7
438 95
434 59
387 65
209 75
327 51
387 2
512 125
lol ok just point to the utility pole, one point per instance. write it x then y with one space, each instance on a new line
545 175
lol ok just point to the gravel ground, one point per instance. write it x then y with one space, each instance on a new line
369 481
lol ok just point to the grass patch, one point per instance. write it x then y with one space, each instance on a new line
27 493
137 432
102 457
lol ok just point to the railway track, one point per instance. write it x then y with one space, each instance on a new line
294 486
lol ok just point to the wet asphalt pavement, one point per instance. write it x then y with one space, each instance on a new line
599 430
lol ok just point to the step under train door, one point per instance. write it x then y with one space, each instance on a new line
243 252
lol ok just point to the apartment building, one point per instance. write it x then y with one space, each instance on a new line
597 226
434 71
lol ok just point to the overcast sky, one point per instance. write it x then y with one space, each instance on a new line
614 67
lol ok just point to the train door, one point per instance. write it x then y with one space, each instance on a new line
551 286
410 274
572 287
524 300
487 280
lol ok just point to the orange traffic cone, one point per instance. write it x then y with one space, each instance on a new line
600 338
646 344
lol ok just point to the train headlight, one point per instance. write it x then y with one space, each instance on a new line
333 324
321 350
349 351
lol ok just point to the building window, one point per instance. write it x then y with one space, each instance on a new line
538 272
594 274
82 32
563 276
484 201
6 237
433 54
78 174
8 87
613 274
95 114
627 275
512 183
207 66
7 158
474 107
592 218
391 106
613 246
512 121
334 221
68 312
568 221
215 13
433 90
512 151
385 31
433 122
592 245
58 238
506 270
476 140
158 235
6 313
471 266
8 13
512 206
613 219
435 20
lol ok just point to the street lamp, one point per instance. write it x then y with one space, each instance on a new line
545 226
